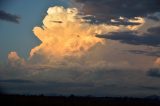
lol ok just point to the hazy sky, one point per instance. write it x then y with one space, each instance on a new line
82 47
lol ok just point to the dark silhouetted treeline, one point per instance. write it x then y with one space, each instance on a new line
31 100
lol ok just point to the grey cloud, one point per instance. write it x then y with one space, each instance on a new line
153 18
114 8
67 84
145 52
101 81
149 88
9 17
150 39
154 30
15 81
75 79
94 20
123 23
155 72
47 88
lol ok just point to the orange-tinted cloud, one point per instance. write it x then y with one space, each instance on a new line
15 60
66 33
157 62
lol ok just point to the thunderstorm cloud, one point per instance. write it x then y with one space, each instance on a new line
80 49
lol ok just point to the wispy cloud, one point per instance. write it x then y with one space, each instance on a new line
15 81
9 17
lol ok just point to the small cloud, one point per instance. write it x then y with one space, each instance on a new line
155 72
157 62
15 60
145 52
15 81
154 30
153 18
149 88
9 17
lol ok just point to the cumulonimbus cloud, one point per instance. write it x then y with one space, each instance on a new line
70 51
65 34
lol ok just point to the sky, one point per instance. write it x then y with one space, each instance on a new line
81 47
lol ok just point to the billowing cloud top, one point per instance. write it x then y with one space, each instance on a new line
66 33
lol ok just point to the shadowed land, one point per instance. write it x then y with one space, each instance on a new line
32 100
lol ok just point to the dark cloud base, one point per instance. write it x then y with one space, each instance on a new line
116 8
150 39
155 72
145 52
